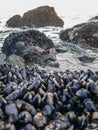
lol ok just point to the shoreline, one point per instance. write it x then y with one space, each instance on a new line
37 99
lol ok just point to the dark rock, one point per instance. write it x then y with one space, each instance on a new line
85 34
86 59
39 17
31 45
14 21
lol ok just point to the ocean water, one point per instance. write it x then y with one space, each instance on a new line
69 59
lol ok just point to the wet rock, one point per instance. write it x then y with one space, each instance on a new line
31 45
86 34
86 59
61 49
39 17
40 120
16 60
32 52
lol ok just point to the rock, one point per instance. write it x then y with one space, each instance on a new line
61 49
14 21
39 17
86 59
52 54
31 45
31 53
85 34
16 60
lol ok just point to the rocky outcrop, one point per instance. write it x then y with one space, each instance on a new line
39 17
31 45
85 34
15 21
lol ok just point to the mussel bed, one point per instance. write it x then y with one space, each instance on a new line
33 98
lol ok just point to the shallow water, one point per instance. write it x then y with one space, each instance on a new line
69 59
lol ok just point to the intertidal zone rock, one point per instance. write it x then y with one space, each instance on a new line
39 17
85 34
31 45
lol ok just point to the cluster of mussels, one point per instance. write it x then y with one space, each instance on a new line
31 98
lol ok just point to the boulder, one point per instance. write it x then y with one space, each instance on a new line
14 21
86 34
31 45
39 17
